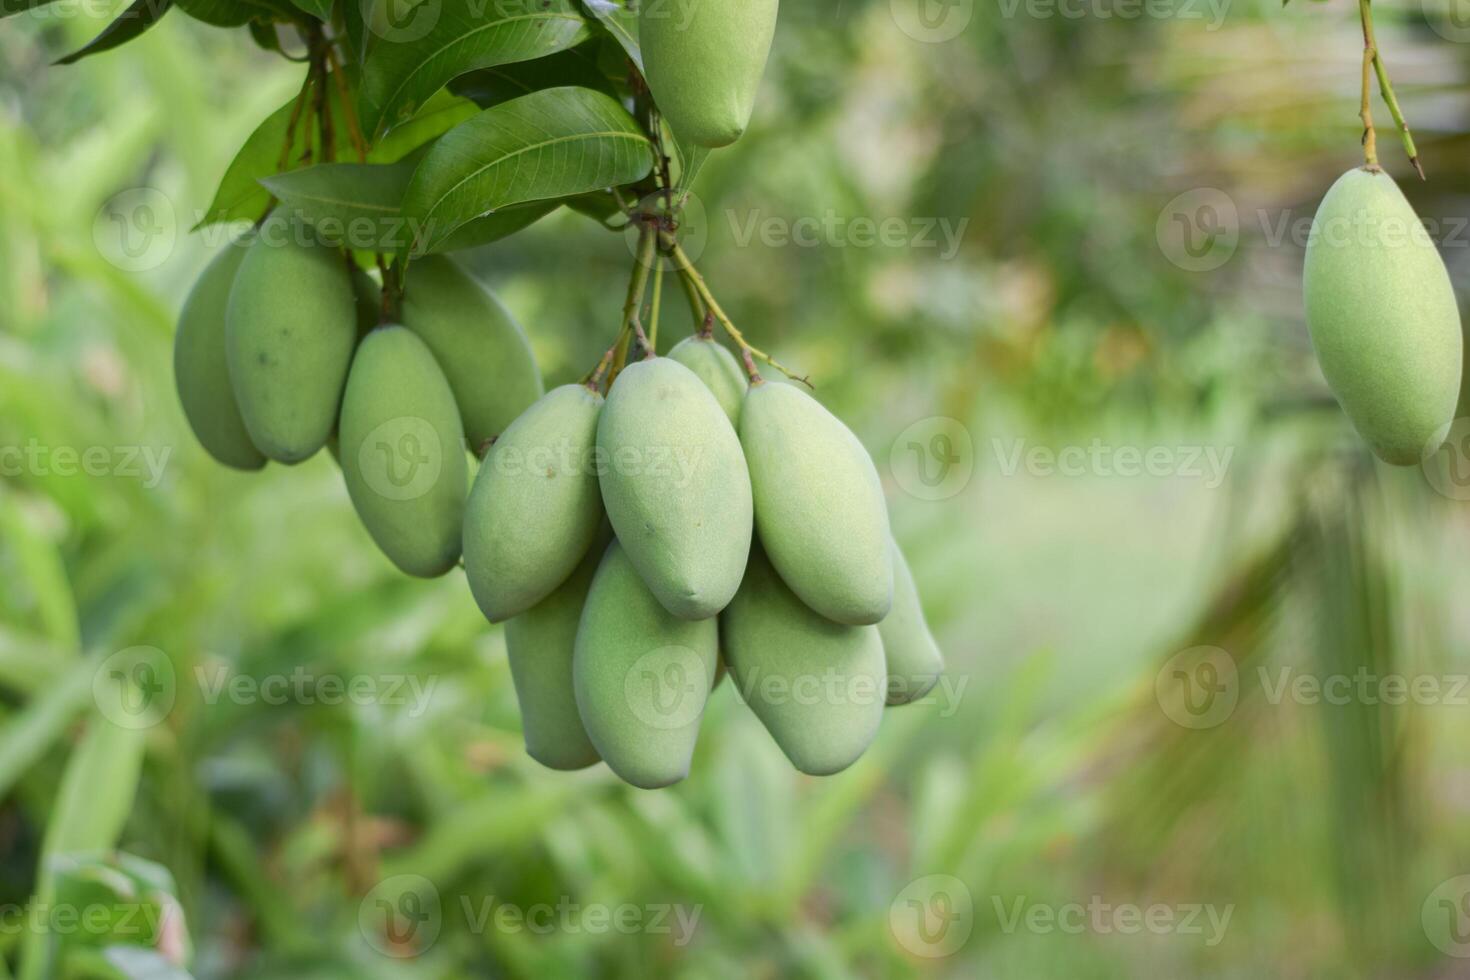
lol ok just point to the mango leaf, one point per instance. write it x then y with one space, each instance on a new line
8 7
130 24
491 86
403 67
621 23
320 9
240 196
353 204
496 225
237 13
542 146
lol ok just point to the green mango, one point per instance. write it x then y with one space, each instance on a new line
1383 317
819 508
540 643
484 352
704 62
675 486
717 368
641 676
817 686
535 506
201 370
913 659
402 452
289 333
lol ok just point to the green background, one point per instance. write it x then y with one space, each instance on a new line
1054 772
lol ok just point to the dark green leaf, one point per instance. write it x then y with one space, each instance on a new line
621 23
444 39
545 145
130 24
353 204
492 86
497 225
320 9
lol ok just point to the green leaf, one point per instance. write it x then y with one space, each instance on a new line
491 86
320 9
403 67
621 23
130 24
439 115
353 204
497 225
237 13
545 145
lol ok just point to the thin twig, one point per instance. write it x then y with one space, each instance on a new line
686 268
1385 87
1365 110
653 307
349 112
637 283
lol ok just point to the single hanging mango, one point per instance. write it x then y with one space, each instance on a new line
1383 317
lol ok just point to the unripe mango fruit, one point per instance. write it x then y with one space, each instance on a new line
535 506
1383 316
641 676
402 452
201 371
717 368
675 486
704 61
289 333
913 660
817 686
483 351
540 643
819 508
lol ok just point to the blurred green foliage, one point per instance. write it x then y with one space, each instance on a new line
1050 773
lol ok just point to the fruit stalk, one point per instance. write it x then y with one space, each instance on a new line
696 281
637 284
1372 56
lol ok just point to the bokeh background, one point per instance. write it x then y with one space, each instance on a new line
1206 707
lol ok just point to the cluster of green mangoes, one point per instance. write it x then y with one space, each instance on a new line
635 545
279 353
639 546
1383 317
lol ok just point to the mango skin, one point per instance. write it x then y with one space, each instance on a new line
819 508
290 329
642 677
675 486
535 506
402 452
483 351
1383 317
817 686
704 61
717 368
201 370
913 660
540 643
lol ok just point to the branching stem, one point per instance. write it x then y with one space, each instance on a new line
1373 59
